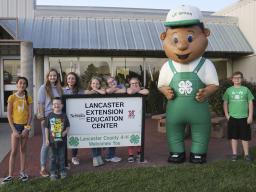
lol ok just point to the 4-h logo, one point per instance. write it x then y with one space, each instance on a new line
185 87
131 114
135 139
73 141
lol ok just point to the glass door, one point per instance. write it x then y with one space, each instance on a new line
10 70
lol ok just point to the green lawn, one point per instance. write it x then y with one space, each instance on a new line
219 176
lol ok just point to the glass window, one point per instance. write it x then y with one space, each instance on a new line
124 68
86 67
221 68
153 66
93 66
11 71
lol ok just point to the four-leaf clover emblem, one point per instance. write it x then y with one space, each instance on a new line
73 141
185 87
135 139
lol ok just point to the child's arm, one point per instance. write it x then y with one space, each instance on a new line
225 108
167 91
132 91
64 133
100 91
122 90
143 91
89 92
47 136
202 94
29 115
115 90
40 113
250 116
10 120
111 90
28 125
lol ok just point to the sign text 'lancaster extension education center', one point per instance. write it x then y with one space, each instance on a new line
104 122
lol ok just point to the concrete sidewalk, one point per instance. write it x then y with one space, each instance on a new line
5 140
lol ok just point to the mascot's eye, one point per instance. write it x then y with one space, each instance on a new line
175 40
190 38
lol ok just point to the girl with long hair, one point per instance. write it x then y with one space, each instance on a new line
72 86
49 90
19 115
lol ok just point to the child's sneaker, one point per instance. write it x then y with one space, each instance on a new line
44 173
248 158
53 177
100 161
75 161
95 162
234 158
131 159
7 180
68 166
63 175
114 159
23 177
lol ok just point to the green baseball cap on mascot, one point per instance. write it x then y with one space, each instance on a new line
182 16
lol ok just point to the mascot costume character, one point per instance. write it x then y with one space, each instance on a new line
187 80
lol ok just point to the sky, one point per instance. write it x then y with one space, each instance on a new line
203 5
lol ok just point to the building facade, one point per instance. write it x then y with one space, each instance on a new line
106 41
245 12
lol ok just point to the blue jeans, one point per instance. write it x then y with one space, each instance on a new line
96 152
111 152
44 148
57 157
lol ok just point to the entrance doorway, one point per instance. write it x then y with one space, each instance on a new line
9 71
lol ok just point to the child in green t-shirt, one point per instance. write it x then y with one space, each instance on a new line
238 109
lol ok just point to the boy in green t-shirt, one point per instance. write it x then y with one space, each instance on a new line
238 109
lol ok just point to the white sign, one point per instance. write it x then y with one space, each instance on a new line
104 122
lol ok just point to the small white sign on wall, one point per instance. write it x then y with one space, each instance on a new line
104 121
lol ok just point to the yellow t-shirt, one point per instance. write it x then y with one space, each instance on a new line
20 108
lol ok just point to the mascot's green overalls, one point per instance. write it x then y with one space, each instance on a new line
183 110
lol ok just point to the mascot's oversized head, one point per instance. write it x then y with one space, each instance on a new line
185 38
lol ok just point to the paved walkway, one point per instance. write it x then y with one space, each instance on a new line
156 153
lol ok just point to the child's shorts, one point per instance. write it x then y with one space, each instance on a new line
239 129
19 127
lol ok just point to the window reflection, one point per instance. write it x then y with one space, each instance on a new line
11 71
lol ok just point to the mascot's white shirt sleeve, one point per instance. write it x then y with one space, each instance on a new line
207 73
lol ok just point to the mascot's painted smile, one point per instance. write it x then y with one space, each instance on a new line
182 57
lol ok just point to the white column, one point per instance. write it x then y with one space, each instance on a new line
26 61
26 68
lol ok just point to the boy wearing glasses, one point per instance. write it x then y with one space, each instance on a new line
238 109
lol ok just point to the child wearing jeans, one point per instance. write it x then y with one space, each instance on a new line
94 87
135 88
72 87
50 89
238 109
56 128
113 87
19 115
